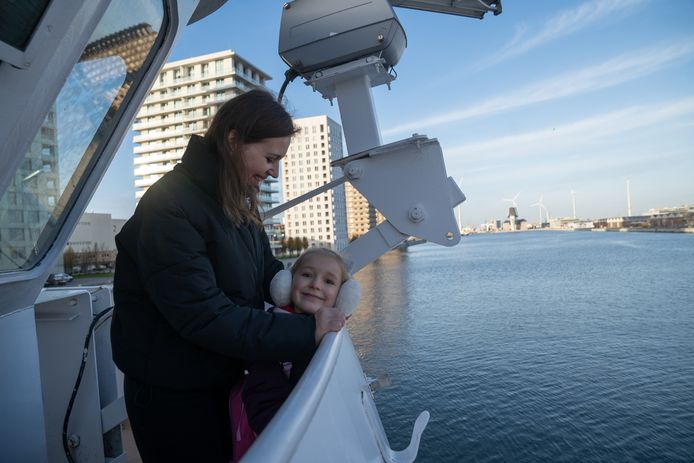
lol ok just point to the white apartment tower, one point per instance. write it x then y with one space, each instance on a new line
362 216
322 219
182 103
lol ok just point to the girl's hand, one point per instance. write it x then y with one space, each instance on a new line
328 319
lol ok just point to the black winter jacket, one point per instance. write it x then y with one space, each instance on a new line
189 287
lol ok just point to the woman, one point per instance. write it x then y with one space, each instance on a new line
192 275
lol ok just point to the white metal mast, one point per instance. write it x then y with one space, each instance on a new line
573 202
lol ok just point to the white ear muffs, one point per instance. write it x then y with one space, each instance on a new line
281 288
347 298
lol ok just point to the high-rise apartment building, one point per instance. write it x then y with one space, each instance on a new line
321 219
182 103
362 216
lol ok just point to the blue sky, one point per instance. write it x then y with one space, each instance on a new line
546 98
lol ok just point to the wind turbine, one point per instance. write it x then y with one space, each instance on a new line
513 210
541 207
513 201
628 198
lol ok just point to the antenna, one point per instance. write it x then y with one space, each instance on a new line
573 201
628 199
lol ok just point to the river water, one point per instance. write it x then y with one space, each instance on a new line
542 346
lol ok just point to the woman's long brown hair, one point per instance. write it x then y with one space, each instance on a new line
253 116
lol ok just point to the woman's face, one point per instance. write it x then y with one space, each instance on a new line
316 283
262 158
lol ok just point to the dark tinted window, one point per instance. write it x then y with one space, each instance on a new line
18 19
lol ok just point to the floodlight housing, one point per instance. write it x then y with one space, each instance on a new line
318 34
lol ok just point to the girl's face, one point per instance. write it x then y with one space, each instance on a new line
262 158
315 283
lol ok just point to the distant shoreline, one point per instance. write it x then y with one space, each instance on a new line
647 230
597 230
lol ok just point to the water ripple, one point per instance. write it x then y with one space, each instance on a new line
562 347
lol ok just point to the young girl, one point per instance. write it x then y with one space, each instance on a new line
316 279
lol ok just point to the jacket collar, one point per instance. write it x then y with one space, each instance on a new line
201 165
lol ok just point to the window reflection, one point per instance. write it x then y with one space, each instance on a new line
75 128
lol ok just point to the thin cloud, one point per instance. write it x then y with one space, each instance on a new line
569 137
563 24
608 74
562 170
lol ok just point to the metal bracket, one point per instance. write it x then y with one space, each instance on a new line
373 67
406 181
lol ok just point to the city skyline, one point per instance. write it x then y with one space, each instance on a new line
544 99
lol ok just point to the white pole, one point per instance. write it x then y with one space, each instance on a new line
457 217
573 202
459 211
357 113
628 199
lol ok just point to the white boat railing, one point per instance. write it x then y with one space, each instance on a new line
283 434
331 416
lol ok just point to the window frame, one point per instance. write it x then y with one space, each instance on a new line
20 287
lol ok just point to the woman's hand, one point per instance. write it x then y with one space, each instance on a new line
328 319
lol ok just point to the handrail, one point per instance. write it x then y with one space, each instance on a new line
278 442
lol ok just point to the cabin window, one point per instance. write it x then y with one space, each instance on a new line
76 127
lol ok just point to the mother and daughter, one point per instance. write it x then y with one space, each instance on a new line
193 273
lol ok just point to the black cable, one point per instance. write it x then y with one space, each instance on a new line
392 70
78 381
289 75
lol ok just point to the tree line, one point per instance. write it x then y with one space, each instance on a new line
293 245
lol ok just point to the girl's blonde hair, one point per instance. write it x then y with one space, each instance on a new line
325 252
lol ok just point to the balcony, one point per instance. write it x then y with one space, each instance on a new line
160 146
152 109
137 126
193 77
146 182
153 169
198 91
168 134
158 158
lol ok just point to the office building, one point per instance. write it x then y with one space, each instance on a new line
92 245
95 231
30 199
